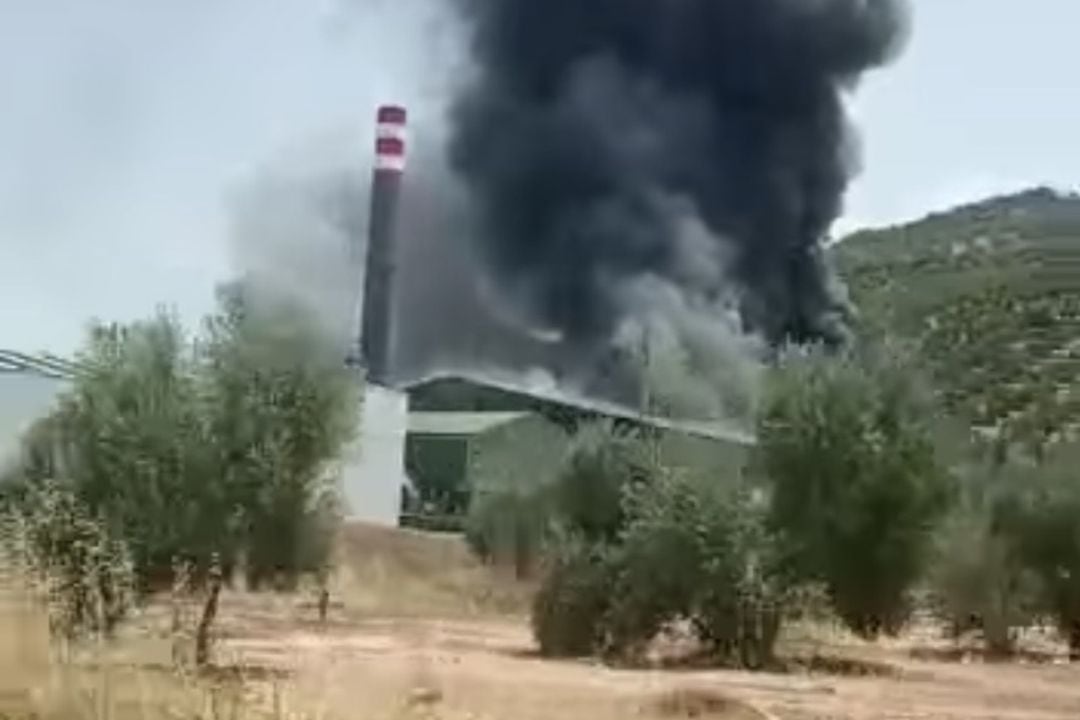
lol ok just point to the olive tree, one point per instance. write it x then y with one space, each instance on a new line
857 489
1045 525
195 448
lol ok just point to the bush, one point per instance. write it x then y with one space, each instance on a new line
659 561
696 549
1045 524
279 407
510 524
130 445
602 462
569 607
86 574
508 529
742 597
651 547
690 549
856 485
980 576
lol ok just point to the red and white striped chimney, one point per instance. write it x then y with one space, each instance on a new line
377 321
390 142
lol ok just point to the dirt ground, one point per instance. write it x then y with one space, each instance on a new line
391 650
417 630
485 669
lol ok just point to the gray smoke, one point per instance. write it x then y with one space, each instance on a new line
628 203
699 146
292 224
448 314
299 231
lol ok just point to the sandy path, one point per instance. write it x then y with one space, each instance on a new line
484 669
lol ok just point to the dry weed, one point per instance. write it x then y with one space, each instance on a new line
97 680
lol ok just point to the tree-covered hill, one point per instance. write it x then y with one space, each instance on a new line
991 291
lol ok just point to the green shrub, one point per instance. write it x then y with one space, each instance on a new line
601 463
278 406
690 549
508 529
696 549
742 597
569 607
658 562
1045 524
509 524
980 577
857 487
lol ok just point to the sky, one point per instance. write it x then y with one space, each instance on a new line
128 128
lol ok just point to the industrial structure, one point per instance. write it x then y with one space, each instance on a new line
376 339
462 431
471 435
373 474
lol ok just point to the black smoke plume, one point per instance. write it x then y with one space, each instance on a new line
698 144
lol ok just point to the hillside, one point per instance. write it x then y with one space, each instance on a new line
991 292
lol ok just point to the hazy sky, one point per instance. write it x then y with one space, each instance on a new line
126 127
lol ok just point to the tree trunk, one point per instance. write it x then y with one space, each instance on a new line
324 604
180 587
202 635
999 640
524 552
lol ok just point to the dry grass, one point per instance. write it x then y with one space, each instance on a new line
421 640
270 659
404 573
40 680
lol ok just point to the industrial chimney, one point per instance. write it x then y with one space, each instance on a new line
376 327
374 466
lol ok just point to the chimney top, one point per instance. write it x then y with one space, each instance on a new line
390 139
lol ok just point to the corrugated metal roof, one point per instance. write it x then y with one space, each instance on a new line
50 366
459 423
716 430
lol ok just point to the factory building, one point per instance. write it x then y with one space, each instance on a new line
469 435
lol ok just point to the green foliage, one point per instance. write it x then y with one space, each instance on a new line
129 442
648 547
856 485
989 293
980 577
510 520
218 445
1045 524
697 549
509 528
569 607
742 595
280 407
1010 550
659 560
601 463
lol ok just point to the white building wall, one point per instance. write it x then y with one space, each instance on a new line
374 468
25 397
